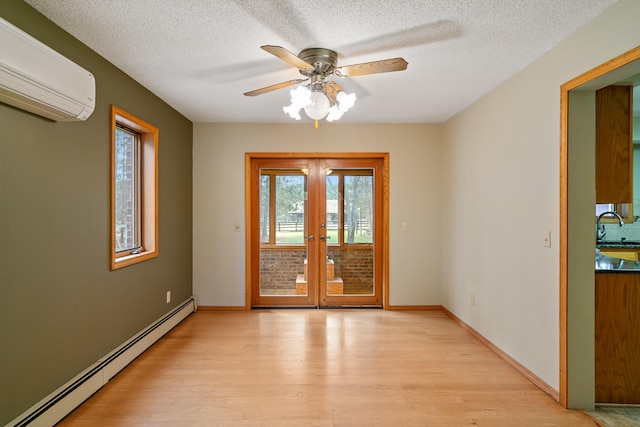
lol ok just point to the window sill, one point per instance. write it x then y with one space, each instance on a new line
128 260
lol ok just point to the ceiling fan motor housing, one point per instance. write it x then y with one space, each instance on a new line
323 60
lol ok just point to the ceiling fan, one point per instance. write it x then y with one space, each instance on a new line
322 98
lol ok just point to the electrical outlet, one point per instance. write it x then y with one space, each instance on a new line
473 300
168 297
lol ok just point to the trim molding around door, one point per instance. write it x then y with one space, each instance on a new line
617 62
384 157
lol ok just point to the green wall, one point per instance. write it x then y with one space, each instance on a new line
61 308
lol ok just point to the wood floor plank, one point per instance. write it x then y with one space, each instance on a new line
321 368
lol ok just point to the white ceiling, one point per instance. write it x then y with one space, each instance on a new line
200 56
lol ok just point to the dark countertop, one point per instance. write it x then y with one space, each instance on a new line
618 244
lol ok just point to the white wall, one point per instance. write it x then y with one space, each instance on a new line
218 196
501 160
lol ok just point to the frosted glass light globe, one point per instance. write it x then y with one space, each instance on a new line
299 98
334 113
318 107
346 101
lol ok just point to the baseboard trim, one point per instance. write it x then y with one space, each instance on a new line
536 380
65 399
391 307
221 308
414 307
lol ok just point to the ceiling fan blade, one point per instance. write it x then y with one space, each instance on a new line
337 88
331 89
287 56
274 87
373 67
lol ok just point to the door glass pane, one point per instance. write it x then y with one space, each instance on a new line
283 249
333 217
358 209
350 257
290 209
265 195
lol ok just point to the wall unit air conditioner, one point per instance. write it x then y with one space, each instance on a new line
36 78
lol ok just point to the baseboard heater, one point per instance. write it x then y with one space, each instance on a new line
61 402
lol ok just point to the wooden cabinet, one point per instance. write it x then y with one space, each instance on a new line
614 145
617 345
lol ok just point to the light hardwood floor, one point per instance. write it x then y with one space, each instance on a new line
321 368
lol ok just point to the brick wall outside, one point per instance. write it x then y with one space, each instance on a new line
354 265
279 267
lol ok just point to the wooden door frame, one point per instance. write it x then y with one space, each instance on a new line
384 157
615 63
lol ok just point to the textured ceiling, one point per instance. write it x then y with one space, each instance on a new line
200 56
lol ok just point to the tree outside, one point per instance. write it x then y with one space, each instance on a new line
290 207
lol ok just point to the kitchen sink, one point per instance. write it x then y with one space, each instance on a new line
606 263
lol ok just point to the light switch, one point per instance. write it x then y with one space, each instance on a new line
237 227
405 226
547 239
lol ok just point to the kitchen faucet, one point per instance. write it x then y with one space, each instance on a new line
600 230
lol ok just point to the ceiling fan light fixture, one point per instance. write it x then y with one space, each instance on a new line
345 101
300 97
292 111
334 113
319 105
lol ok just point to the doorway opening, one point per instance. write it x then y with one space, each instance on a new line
577 213
317 230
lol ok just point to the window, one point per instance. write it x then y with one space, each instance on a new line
134 189
127 189
625 210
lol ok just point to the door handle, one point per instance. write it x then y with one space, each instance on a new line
322 238
310 238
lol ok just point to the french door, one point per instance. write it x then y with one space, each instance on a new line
315 231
